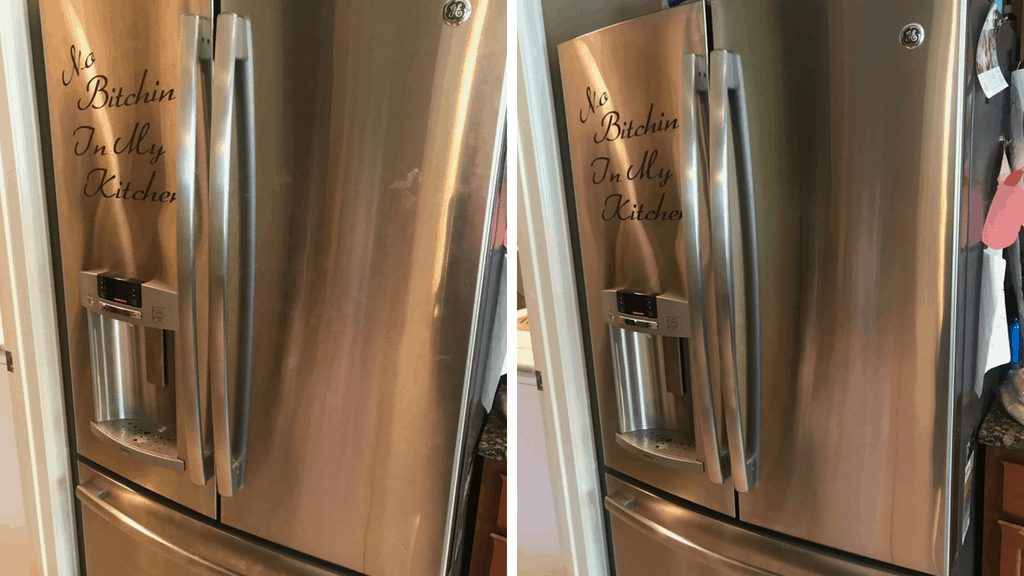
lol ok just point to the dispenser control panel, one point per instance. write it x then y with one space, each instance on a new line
637 304
148 304
650 313
120 291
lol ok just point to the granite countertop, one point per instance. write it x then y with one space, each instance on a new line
493 440
998 429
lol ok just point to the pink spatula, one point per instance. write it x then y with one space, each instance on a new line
1006 215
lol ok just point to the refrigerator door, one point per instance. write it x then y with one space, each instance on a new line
636 111
115 112
653 537
127 534
854 146
377 135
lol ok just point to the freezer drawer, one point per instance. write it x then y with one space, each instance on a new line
116 520
652 537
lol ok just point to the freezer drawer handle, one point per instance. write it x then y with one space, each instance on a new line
694 80
196 55
232 72
624 508
727 115
97 499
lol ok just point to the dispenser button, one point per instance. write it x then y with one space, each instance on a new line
121 311
641 323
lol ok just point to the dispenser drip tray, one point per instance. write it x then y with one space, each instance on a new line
666 447
144 440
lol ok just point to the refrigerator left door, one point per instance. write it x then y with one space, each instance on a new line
114 93
128 534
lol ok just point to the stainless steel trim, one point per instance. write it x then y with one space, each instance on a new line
694 78
726 75
234 48
196 46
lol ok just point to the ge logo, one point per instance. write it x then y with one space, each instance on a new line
456 12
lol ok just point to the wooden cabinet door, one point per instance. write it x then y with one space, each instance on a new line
1011 546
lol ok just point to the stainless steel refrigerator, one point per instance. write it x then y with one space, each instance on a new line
778 211
280 260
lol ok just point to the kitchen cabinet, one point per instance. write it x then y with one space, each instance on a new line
489 545
1003 517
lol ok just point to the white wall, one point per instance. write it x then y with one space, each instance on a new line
540 550
17 551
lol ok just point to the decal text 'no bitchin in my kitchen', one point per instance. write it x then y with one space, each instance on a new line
614 130
136 139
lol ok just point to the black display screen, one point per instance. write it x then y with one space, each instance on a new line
120 291
637 304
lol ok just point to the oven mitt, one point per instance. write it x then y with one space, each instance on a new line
1006 214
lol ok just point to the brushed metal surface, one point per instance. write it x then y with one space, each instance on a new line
123 48
376 128
855 145
635 64
127 534
653 537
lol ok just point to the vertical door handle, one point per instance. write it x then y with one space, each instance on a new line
729 115
233 85
196 53
694 80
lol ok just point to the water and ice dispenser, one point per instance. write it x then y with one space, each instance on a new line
651 372
131 343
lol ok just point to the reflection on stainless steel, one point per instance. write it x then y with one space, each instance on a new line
637 361
127 533
231 298
376 130
115 197
620 179
739 320
655 538
118 366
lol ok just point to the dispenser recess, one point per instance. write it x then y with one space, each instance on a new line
131 346
650 370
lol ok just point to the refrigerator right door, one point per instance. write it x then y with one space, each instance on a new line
375 147
853 159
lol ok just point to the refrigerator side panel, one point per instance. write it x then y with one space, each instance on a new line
855 146
376 130
112 80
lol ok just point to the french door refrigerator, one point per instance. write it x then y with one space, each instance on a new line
278 243
778 211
